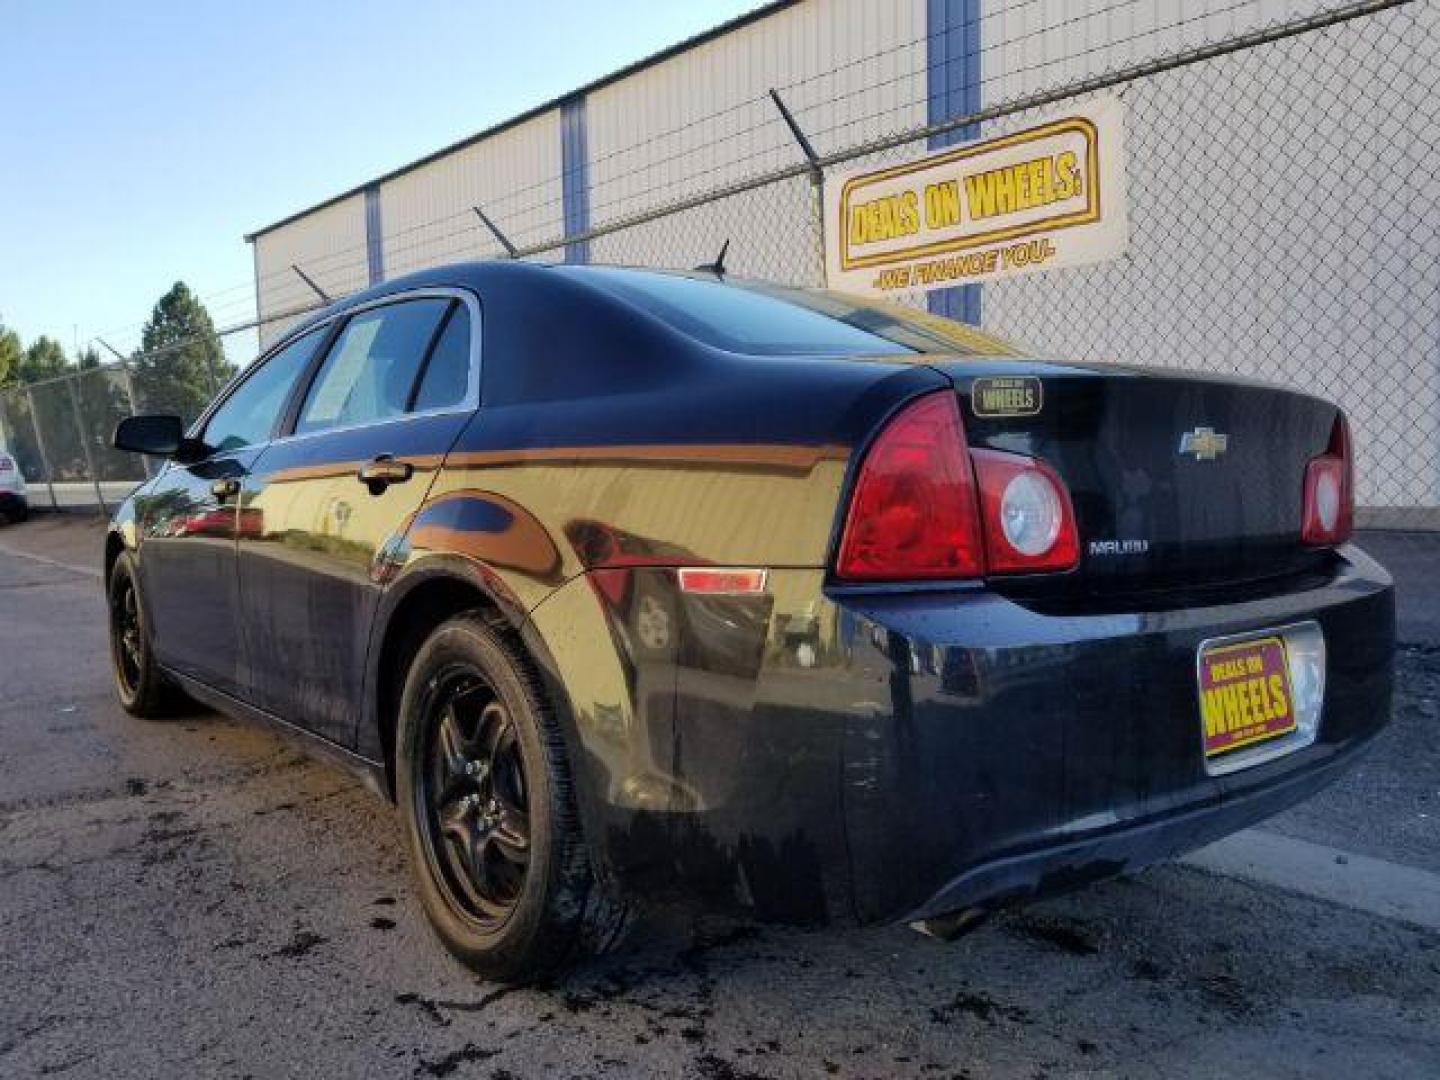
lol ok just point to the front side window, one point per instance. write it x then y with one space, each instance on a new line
248 416
371 369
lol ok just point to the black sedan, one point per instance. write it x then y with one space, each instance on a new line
626 584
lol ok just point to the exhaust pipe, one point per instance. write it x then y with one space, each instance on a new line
956 924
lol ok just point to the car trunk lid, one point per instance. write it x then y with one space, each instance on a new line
1175 478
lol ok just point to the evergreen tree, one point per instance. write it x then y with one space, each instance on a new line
44 359
11 354
180 364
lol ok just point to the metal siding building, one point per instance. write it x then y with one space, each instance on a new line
329 243
1201 140
428 213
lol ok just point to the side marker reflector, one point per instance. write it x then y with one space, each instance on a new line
722 580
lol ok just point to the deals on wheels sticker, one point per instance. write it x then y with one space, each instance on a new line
1049 196
1245 694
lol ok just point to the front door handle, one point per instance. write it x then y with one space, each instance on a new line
382 471
225 489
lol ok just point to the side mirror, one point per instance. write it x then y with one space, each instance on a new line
160 436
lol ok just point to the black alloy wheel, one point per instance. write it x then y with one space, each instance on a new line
127 646
487 800
474 797
141 686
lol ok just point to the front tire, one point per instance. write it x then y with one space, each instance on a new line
487 803
142 687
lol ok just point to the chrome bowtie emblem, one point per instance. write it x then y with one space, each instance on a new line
1204 443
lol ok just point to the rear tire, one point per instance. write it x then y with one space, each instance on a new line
487 803
142 687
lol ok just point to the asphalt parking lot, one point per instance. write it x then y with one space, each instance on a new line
193 898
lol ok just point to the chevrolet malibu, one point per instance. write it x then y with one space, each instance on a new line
627 585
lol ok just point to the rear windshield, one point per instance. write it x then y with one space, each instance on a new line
770 320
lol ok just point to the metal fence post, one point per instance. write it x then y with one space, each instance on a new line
128 381
503 240
817 178
214 375
85 442
817 200
40 445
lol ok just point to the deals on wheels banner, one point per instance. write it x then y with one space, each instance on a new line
1049 196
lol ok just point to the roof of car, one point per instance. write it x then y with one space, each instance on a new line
477 275
584 331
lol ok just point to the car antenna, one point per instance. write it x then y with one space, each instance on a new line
718 266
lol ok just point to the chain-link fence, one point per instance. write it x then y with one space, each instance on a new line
1284 210
58 430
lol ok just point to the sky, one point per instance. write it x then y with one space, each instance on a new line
140 141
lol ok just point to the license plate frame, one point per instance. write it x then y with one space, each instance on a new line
1263 654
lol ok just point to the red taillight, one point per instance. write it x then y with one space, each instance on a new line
914 513
918 511
1327 512
6 465
1029 523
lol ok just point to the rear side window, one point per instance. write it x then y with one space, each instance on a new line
248 415
447 373
372 367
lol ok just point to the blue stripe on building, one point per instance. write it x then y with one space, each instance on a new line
374 236
575 177
952 82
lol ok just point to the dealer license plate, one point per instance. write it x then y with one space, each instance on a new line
1245 693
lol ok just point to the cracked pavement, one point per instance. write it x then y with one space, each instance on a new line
193 897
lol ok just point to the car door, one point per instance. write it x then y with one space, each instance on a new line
187 521
334 494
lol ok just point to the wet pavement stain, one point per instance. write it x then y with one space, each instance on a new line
1072 938
302 943
713 1067
444 1066
980 1006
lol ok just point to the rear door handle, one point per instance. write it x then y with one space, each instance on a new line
382 471
225 489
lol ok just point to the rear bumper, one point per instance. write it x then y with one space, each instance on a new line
823 754
1028 752
1066 865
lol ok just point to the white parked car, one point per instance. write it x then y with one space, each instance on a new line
13 505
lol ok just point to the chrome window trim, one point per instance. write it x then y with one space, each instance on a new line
433 292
